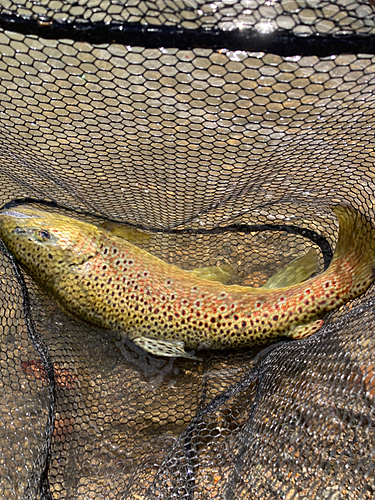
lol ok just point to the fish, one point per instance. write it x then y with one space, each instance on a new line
103 279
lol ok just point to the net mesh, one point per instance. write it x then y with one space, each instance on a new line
222 156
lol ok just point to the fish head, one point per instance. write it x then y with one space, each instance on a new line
47 244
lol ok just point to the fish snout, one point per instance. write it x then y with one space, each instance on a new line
17 214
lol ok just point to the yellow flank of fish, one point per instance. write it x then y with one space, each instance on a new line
108 281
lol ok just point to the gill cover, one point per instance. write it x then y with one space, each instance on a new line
46 244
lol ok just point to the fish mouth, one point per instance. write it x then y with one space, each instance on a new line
18 215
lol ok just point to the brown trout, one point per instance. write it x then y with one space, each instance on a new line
105 280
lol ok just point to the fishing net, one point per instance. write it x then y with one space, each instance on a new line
224 130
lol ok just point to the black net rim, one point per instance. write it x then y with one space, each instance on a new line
280 42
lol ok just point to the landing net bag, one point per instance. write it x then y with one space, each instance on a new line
224 130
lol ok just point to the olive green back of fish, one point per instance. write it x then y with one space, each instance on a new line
110 282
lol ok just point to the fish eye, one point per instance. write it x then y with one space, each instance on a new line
43 235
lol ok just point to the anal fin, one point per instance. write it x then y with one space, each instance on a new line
304 331
296 271
168 348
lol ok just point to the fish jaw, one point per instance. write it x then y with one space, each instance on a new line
47 244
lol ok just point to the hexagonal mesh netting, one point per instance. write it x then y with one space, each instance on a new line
225 131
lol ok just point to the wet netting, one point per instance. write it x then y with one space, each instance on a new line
225 131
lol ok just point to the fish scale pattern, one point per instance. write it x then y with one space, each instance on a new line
177 118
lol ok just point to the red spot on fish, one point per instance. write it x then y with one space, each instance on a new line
275 318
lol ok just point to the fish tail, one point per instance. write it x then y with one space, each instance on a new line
355 247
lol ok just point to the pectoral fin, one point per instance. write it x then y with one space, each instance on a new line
296 271
222 273
304 331
168 348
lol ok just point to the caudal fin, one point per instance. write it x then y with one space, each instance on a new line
355 247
